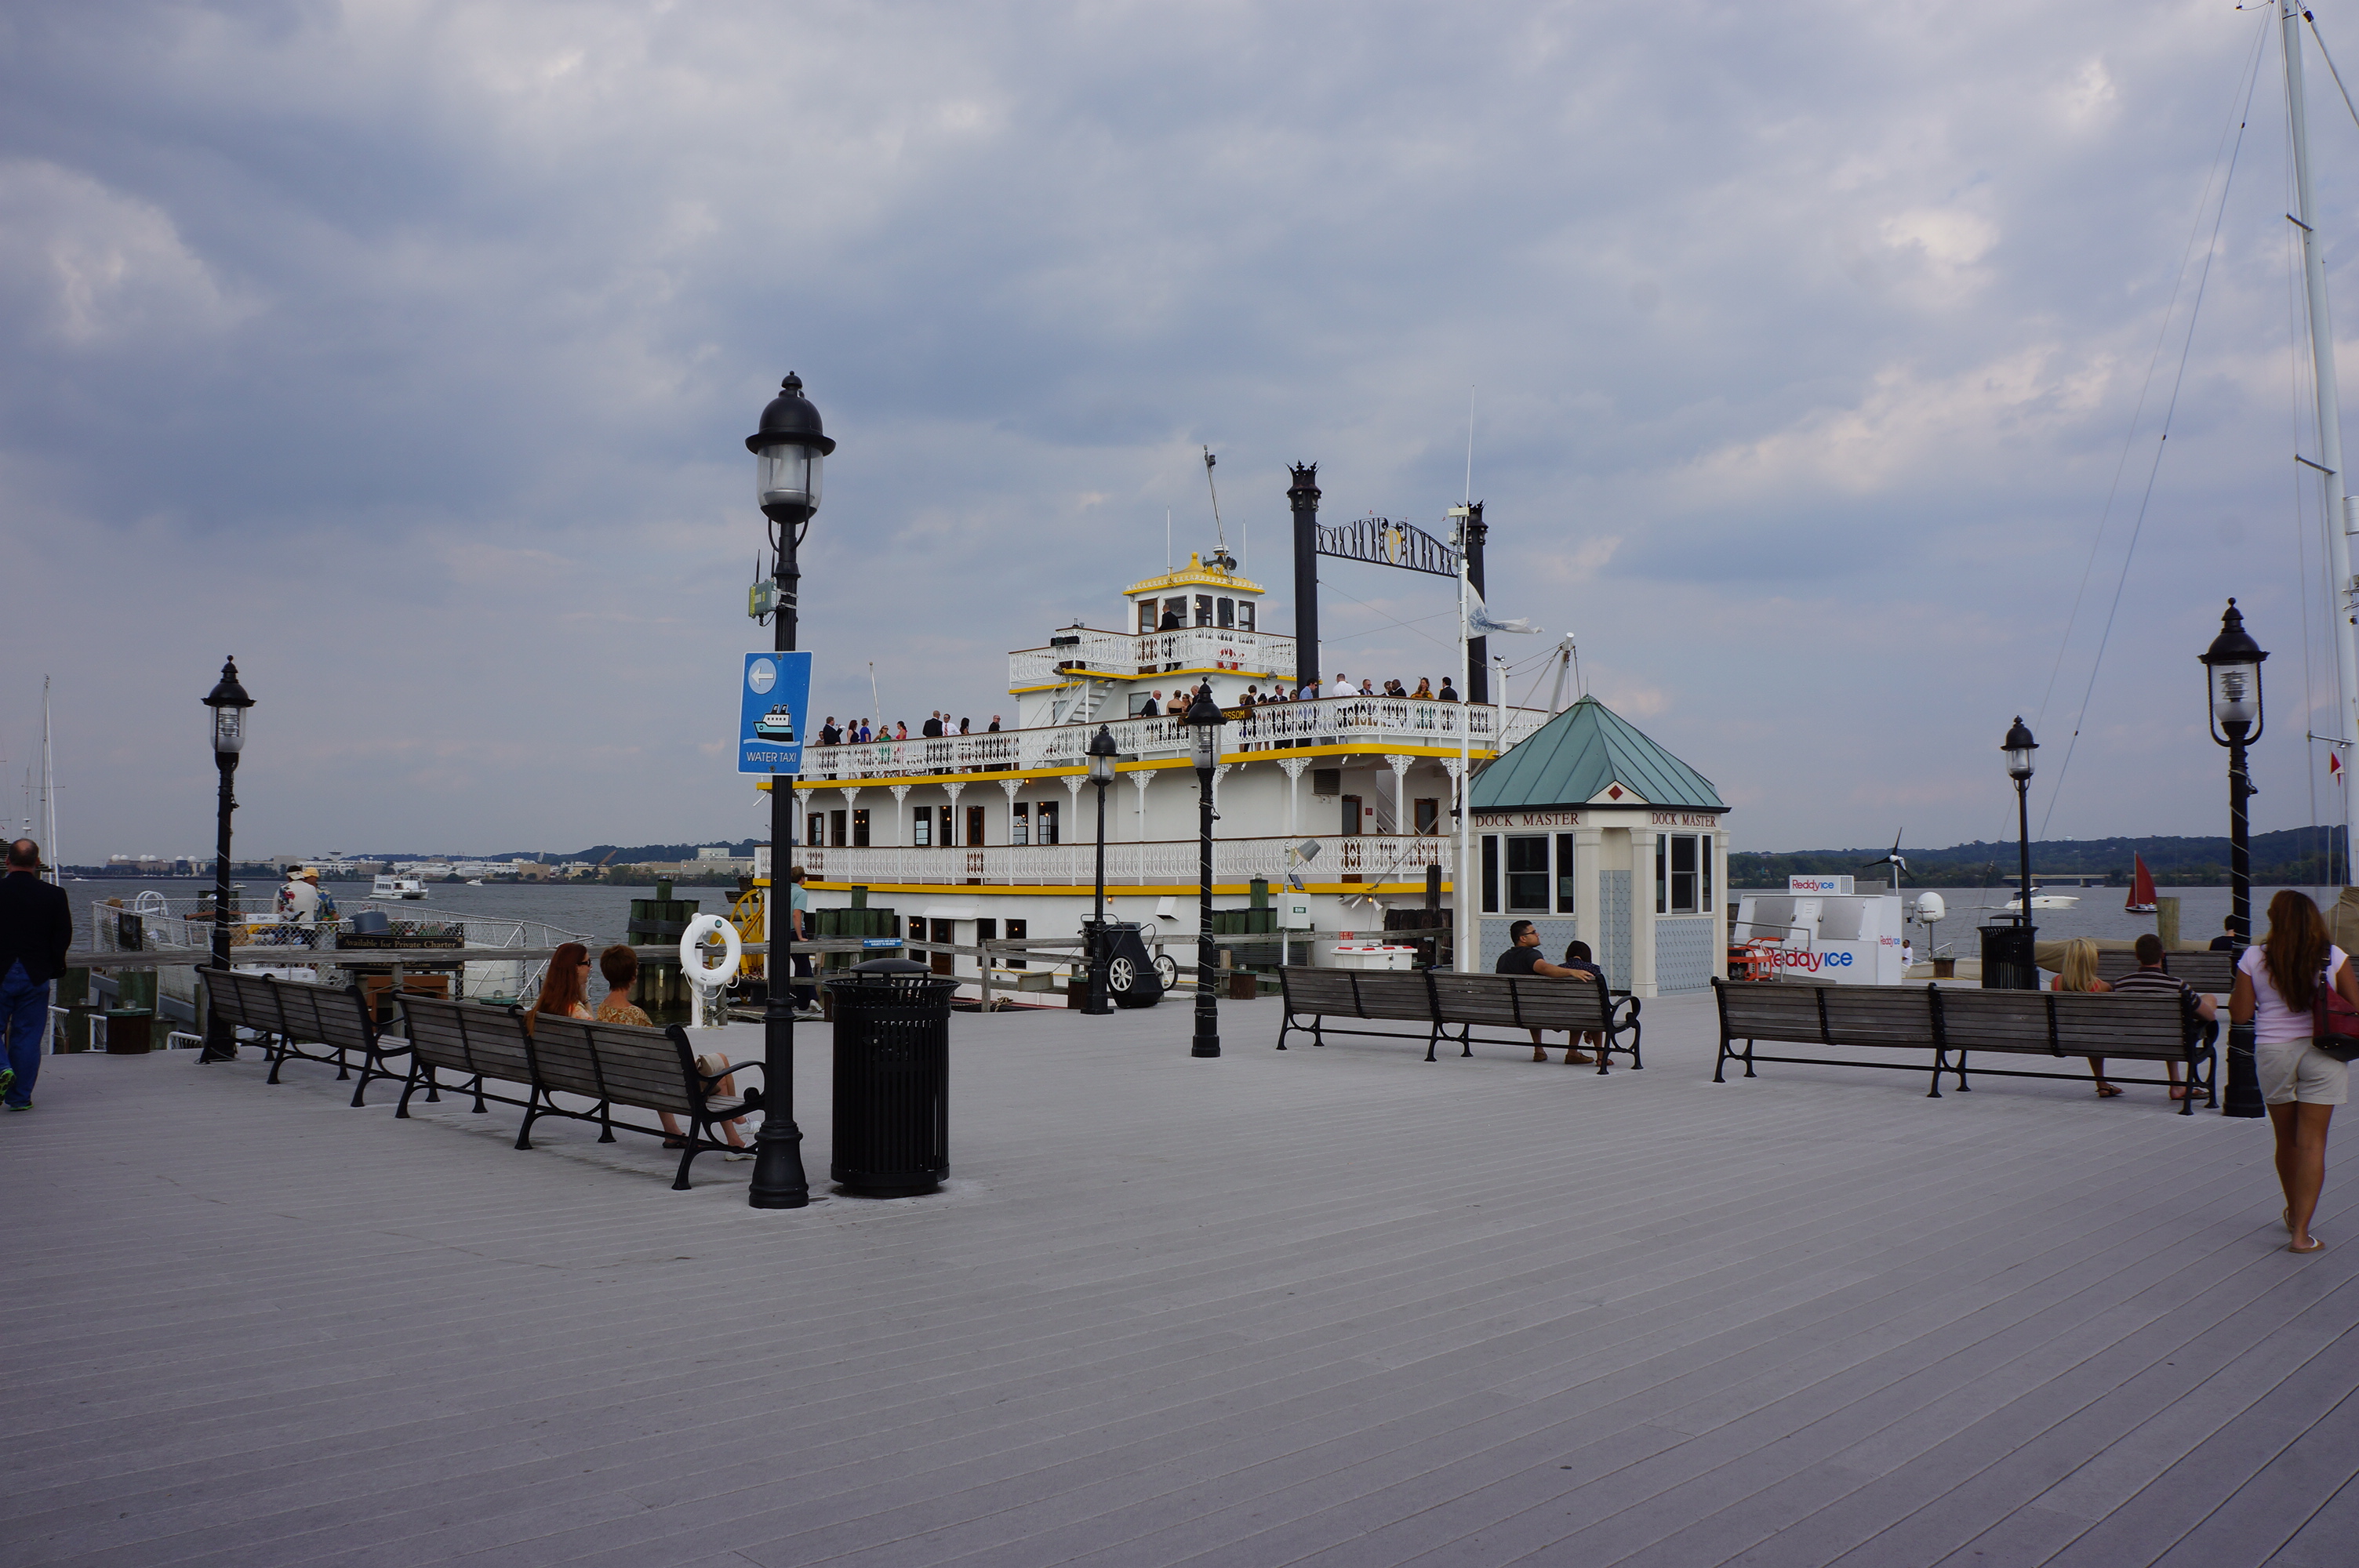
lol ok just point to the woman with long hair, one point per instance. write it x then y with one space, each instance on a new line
2079 974
565 989
2277 984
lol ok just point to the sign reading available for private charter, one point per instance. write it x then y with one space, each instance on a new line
773 703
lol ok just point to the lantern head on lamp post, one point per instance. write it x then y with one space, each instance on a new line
1101 754
2019 747
2232 670
788 449
1203 720
229 703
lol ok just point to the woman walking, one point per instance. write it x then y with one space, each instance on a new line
2079 974
2277 984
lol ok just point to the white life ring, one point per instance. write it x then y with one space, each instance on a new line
691 954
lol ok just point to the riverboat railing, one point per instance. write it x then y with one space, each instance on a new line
1123 655
1368 858
1372 721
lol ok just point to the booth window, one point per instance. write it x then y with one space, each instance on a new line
1490 873
1564 883
1681 884
1527 872
1226 609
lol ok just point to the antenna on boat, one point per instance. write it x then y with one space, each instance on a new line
1567 657
874 701
49 794
2329 412
1219 534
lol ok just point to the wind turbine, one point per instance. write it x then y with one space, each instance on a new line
1892 858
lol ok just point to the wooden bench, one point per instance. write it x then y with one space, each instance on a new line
2213 974
612 1065
304 1021
1950 1020
1442 1000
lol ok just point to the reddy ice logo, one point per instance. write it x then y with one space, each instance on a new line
1796 959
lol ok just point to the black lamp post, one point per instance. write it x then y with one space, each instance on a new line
787 450
1102 755
2233 673
1203 720
229 702
2019 747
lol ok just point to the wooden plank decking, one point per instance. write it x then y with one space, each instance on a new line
1335 1306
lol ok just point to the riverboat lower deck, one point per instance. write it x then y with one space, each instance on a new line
1333 1307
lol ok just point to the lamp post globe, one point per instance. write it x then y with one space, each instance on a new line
2232 678
1101 754
228 707
2019 747
789 446
1203 720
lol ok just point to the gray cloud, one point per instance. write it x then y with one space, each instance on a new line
407 352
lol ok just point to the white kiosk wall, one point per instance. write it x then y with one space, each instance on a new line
1824 930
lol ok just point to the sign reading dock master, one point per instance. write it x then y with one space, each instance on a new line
770 703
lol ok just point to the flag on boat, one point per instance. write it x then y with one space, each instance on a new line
2334 765
1479 621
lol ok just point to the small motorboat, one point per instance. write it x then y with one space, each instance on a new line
777 726
397 887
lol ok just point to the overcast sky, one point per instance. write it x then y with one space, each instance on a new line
407 352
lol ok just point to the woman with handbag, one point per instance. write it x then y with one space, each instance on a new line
2298 990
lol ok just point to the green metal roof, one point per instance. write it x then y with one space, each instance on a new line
1579 755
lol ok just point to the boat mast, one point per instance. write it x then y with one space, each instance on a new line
49 794
2330 425
1465 938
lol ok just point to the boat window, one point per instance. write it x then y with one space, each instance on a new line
1019 823
973 825
1427 809
1684 888
815 830
1528 871
1048 818
1203 610
835 827
921 829
1490 873
1016 933
1244 615
948 838
1351 814
860 827
1564 883
1225 611
1146 615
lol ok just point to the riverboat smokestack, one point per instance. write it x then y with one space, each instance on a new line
1303 496
1478 648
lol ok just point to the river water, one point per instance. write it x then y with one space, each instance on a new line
2201 913
598 912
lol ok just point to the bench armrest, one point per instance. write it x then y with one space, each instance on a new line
707 1081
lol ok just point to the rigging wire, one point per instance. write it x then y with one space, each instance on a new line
2154 468
2236 114
2330 66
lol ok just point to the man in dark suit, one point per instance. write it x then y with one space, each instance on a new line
35 929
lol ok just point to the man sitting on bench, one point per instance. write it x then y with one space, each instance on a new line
1524 958
2152 976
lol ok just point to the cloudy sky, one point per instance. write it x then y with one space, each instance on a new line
406 351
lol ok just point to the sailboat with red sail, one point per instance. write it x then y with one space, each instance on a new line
2141 890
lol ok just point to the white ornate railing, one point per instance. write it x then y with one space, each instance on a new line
1344 720
1371 858
1127 654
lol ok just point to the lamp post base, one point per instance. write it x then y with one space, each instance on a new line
779 1180
2243 1095
1204 1046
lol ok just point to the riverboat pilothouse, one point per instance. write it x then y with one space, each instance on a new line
1331 810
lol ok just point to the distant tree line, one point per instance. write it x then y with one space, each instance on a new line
2295 857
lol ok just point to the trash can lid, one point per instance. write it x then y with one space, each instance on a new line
892 967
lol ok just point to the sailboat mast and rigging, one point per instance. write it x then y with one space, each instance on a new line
2330 425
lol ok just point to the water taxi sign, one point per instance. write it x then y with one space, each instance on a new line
772 699
1818 885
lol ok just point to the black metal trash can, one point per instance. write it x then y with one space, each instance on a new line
2009 963
892 1078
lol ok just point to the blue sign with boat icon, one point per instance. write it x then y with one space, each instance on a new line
771 698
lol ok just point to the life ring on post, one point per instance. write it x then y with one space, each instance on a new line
701 929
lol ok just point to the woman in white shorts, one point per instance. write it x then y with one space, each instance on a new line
2277 981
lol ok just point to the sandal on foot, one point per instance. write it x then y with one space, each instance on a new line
2107 1091
2315 1246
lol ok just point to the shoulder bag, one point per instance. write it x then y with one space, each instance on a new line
2334 1022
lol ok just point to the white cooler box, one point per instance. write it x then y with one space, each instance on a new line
1373 956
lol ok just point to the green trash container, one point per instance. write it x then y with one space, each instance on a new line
128 1031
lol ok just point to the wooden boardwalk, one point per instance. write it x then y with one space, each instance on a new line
1327 1307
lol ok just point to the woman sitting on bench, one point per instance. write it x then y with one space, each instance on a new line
2079 974
1524 958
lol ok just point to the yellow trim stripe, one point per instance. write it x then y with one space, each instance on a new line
1114 889
1238 758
